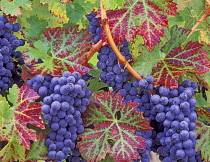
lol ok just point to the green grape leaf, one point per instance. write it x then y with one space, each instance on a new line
115 123
95 72
136 45
178 36
36 27
147 61
203 143
203 115
205 36
38 150
14 8
110 4
13 151
57 8
61 49
94 85
75 12
201 102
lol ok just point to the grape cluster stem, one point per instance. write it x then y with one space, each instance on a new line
121 58
205 15
94 49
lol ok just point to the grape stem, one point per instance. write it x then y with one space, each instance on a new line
67 1
205 15
208 1
184 2
121 58
202 81
94 49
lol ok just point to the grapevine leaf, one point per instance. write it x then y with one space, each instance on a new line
107 159
203 143
95 72
38 150
168 6
13 151
110 4
147 61
179 61
178 36
94 85
114 123
203 115
36 27
143 18
135 46
57 8
62 49
24 113
205 36
170 74
75 12
87 6
201 102
5 113
191 56
14 7
77 9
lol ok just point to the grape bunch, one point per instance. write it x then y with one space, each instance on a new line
8 45
94 27
174 109
64 99
75 156
114 73
42 84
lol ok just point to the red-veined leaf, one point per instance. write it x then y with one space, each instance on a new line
23 113
203 143
63 49
144 18
114 123
38 150
179 61
203 115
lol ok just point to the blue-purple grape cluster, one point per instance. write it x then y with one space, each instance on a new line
64 99
43 84
174 110
114 73
8 45
75 156
94 27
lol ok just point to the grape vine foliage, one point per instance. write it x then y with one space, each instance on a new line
105 81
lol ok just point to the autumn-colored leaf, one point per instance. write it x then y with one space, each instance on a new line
23 113
13 151
115 123
38 150
144 18
203 143
57 8
203 115
179 61
63 49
